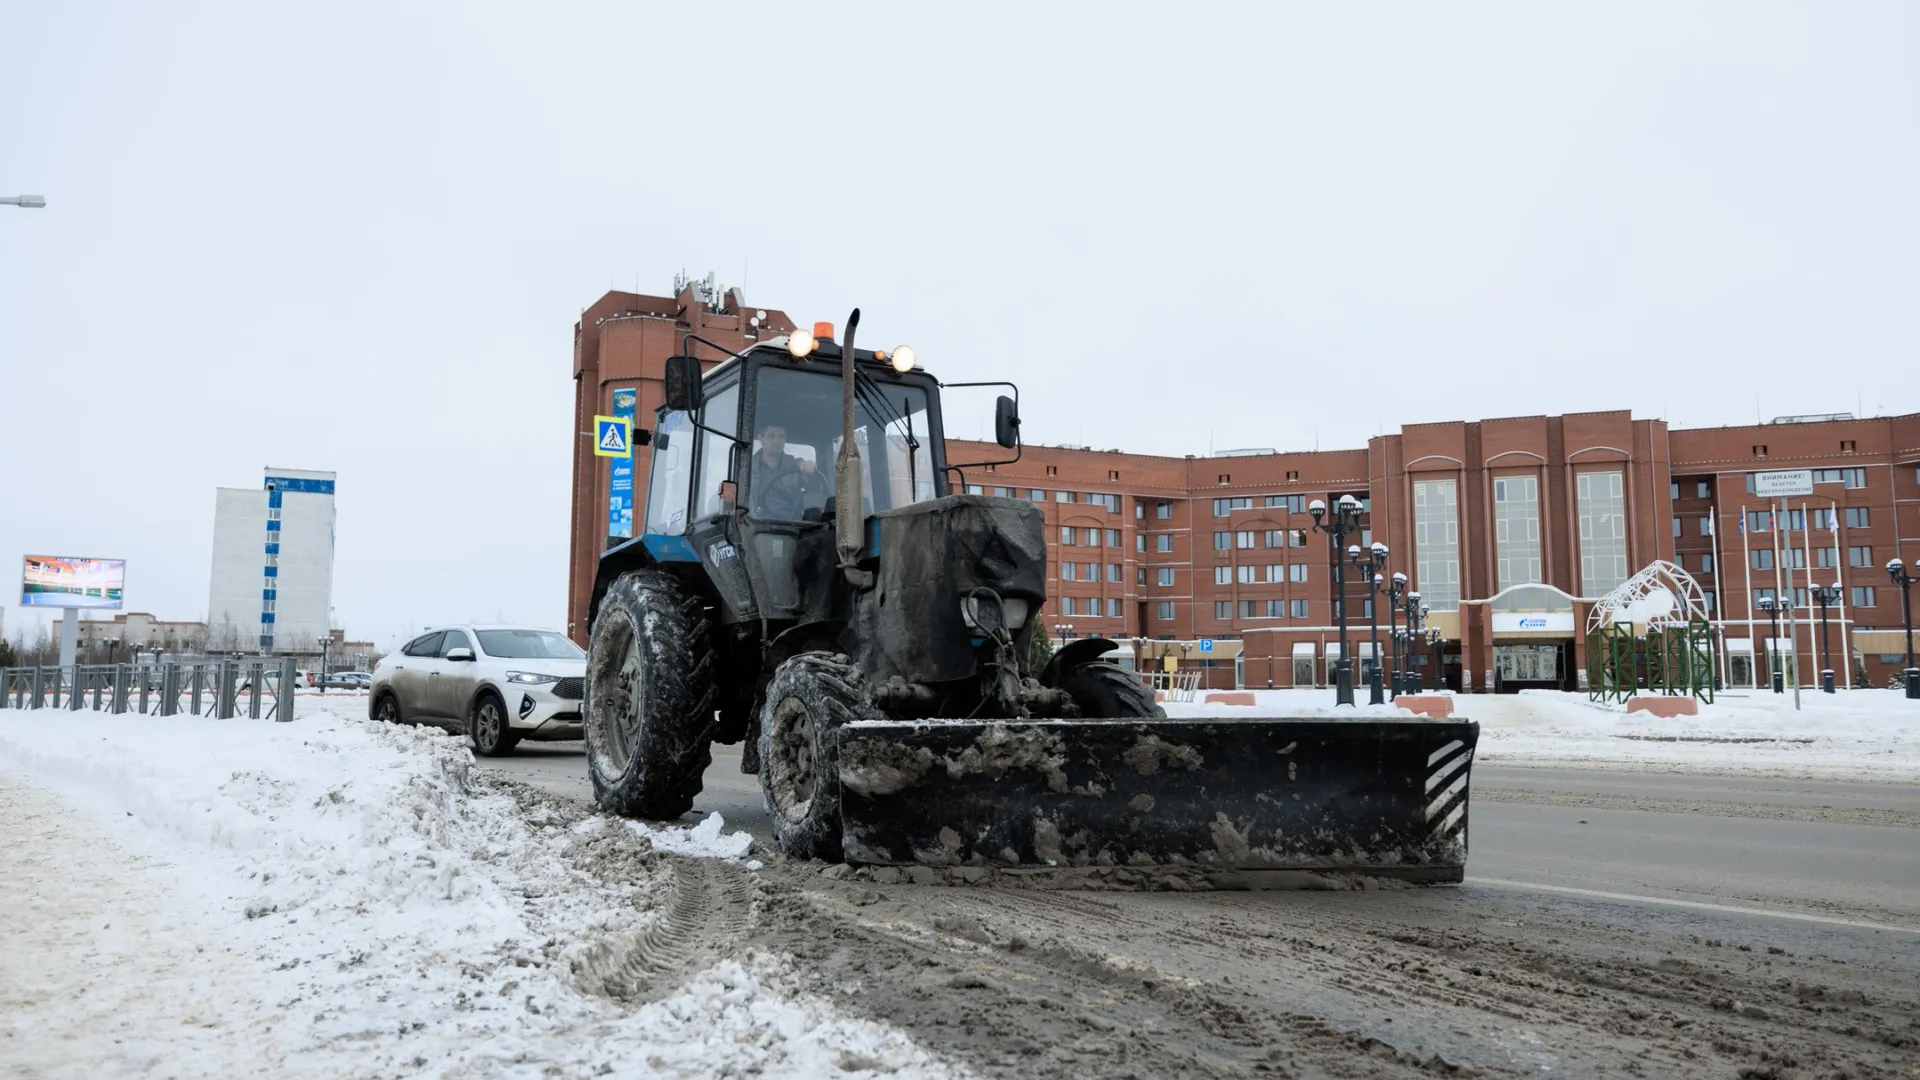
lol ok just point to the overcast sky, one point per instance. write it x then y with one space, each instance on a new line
355 236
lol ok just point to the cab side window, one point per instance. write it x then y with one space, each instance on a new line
455 639
425 645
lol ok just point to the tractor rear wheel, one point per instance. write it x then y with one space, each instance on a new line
1109 692
810 696
649 705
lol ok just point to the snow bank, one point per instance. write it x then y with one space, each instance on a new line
1871 735
396 914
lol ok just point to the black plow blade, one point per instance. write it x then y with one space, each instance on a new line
1380 797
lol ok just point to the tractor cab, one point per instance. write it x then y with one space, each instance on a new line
744 466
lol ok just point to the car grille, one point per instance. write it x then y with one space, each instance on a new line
570 689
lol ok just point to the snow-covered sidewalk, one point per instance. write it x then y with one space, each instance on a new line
331 897
1868 735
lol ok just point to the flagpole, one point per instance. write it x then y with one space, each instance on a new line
1713 531
1806 552
1833 527
1793 633
1746 568
1775 511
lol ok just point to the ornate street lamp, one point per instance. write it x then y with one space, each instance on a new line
1897 570
1370 562
1824 595
1396 589
1776 674
1344 519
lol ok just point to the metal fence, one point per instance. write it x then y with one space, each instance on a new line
222 689
1177 685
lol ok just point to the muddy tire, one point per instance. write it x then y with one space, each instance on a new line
386 708
810 697
488 729
1110 692
649 698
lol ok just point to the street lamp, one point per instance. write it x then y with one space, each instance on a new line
1064 631
1433 643
1370 563
1344 519
1897 570
1776 674
1415 612
30 202
1824 595
1396 588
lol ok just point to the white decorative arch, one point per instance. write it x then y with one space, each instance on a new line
1657 597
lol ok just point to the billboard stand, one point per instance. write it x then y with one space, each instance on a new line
69 635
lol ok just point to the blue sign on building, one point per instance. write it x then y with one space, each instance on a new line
1206 644
620 486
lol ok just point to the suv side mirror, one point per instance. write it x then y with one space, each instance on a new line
460 654
683 383
1006 423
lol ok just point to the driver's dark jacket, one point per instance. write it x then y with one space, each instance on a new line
782 499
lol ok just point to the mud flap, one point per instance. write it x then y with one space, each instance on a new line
1381 797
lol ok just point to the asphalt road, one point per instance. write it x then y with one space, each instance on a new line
1808 852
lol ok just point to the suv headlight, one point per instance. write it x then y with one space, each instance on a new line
525 677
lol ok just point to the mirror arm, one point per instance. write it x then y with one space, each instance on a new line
1020 445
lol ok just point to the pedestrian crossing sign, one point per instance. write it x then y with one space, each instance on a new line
612 436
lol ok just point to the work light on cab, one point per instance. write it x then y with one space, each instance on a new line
903 359
800 343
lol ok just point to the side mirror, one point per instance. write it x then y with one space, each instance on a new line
641 437
683 383
1006 423
458 655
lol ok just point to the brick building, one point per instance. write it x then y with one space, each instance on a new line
1511 528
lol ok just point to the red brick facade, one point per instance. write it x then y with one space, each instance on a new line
1172 568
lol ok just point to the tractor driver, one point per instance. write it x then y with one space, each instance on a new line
782 482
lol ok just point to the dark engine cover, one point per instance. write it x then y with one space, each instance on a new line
932 555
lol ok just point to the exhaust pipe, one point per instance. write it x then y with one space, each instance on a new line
847 519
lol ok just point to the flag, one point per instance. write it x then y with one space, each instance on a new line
1743 523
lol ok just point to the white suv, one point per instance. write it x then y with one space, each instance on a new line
498 684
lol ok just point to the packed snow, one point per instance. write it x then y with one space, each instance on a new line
1871 735
333 897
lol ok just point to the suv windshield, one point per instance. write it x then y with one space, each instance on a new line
528 645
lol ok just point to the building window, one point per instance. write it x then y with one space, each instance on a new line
1222 541
1113 538
1708 597
1759 520
1113 602
1800 597
1824 557
1114 475
1276 538
1035 495
1299 608
1706 564
1163 510
1858 517
1140 543
1139 510
1163 611
1436 543
1859 556
1796 521
1249 609
1243 539
1165 577
1065 496
1676 528
1862 596
1090 571
1226 478
1366 608
1298 538
1164 543
1847 447
1293 504
1067 535
1003 492
1110 502
1140 576
1603 532
1822 518
1826 476
1762 559
1701 489
1276 609
1706 526
1297 572
1223 507
976 489
1245 574
1762 596
1276 573
1066 571
1797 558
1053 470
1854 478
1759 449
1223 609
1673 492
1113 572
1223 575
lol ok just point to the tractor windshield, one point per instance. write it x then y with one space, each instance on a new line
796 439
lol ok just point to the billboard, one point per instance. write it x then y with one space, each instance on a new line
63 582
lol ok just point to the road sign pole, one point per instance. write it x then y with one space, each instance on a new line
69 636
1793 629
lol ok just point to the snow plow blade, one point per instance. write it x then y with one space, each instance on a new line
1381 797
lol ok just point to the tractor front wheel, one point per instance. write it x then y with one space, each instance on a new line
810 696
1109 692
650 697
